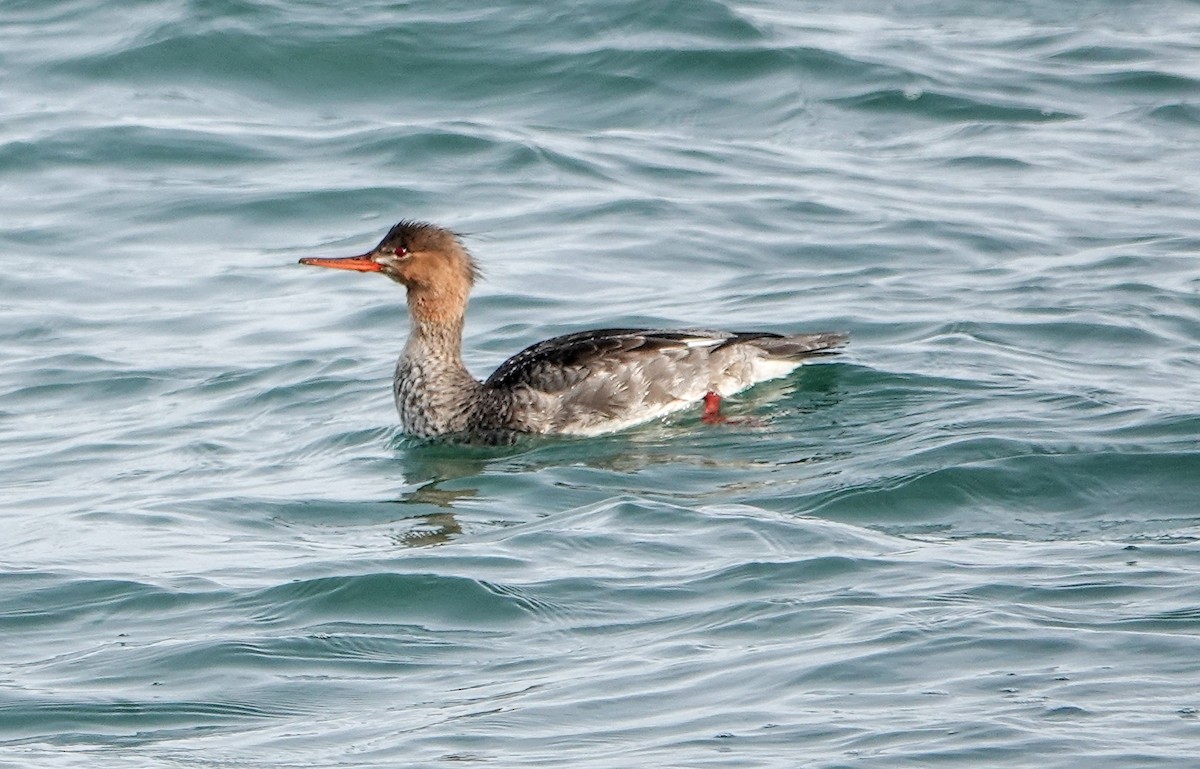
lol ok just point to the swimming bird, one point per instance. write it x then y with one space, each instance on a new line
586 383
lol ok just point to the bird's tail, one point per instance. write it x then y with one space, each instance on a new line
799 346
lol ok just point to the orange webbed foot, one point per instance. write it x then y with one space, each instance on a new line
712 413
712 409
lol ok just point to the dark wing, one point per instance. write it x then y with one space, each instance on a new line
559 363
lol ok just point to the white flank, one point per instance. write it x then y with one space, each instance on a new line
773 368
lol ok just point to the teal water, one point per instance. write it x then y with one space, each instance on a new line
973 540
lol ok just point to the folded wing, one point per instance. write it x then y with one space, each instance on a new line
607 379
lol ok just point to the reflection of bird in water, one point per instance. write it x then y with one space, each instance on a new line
587 383
431 466
436 529
430 494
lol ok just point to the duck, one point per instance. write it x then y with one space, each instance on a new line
585 383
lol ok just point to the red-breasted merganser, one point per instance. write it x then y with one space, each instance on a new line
586 383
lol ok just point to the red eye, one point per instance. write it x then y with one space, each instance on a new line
401 251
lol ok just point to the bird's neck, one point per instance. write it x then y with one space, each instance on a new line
437 308
435 393
439 343
437 328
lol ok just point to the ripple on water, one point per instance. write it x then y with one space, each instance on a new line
968 541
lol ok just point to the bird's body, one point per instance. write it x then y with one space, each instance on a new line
587 383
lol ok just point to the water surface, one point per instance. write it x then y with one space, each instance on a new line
972 540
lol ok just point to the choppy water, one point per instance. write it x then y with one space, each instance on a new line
972 541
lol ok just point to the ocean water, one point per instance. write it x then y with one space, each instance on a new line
972 540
